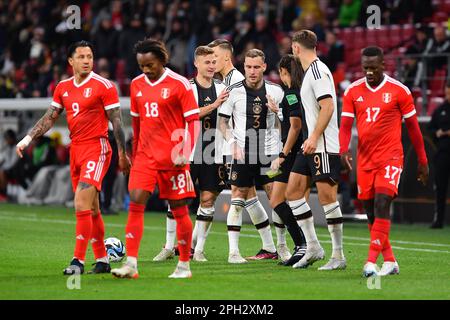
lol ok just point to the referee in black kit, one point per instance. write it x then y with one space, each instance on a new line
439 127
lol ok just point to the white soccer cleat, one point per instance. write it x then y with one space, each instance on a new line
312 255
283 252
181 272
199 256
389 268
236 258
164 255
334 264
125 271
370 269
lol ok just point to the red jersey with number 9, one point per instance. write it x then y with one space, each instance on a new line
85 105
163 107
379 112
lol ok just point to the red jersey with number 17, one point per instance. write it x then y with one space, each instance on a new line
163 107
379 112
85 105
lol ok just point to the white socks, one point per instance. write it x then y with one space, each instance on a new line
335 227
202 225
280 228
234 223
305 220
171 233
261 221
132 261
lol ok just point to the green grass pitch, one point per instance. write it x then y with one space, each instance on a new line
37 243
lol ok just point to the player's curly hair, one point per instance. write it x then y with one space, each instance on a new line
154 46
293 66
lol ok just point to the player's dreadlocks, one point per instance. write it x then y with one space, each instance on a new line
154 46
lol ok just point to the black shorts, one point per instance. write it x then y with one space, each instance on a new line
249 175
319 166
210 177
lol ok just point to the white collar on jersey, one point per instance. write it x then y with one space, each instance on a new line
166 71
379 86
84 81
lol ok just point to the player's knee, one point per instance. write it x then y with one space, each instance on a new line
382 206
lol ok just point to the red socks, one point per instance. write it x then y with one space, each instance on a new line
184 231
97 236
134 228
83 231
388 254
378 236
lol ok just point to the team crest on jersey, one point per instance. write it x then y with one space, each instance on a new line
234 175
165 92
257 108
387 97
87 92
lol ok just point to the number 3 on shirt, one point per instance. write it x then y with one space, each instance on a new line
151 110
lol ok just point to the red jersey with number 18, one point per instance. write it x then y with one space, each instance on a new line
85 104
163 107
379 112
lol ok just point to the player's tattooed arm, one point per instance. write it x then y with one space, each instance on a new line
115 116
46 122
224 127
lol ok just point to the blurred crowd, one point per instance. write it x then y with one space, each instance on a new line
34 35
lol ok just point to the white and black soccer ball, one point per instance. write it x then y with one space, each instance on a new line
115 249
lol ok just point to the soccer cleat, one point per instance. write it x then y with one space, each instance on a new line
181 272
236 258
164 255
199 256
334 264
312 255
283 252
299 252
264 255
100 267
75 267
370 269
389 268
125 271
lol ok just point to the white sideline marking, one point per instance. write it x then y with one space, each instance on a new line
7 216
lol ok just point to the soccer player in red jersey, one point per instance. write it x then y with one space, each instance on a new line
162 106
90 102
379 103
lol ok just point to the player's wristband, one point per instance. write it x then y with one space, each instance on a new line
282 155
25 141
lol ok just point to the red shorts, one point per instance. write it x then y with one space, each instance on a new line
89 163
384 179
172 184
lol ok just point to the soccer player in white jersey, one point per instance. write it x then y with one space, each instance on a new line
206 167
254 142
321 147
223 51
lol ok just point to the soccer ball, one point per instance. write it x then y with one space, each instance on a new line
115 249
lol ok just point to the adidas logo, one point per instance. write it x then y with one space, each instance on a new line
66 94
208 99
93 240
360 99
129 235
182 242
377 242
392 182
257 99
181 191
139 94
80 237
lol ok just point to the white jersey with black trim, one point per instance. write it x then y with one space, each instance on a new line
210 125
252 118
318 84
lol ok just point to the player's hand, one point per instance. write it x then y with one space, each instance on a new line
271 104
276 163
124 163
223 96
22 145
346 159
237 152
309 146
423 173
440 133
180 161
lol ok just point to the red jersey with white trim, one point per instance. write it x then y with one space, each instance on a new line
163 107
85 104
379 112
